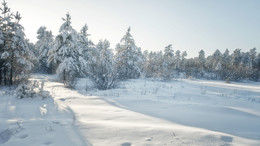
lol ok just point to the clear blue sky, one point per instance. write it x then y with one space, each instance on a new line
189 25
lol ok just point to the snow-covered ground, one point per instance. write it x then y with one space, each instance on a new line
139 112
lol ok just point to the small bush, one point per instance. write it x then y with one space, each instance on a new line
29 90
105 81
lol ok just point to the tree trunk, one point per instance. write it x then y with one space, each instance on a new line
64 77
1 77
11 76
5 79
11 70
1 73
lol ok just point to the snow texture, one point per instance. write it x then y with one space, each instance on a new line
139 112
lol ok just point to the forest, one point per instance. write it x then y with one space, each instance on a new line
67 90
71 55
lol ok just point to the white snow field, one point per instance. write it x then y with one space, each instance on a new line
142 112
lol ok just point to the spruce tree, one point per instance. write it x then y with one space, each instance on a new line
87 49
128 58
177 60
66 54
168 63
43 45
202 59
16 56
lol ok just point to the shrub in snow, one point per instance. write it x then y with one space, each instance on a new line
102 72
105 81
24 91
228 80
28 90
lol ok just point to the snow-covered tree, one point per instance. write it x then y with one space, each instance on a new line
43 45
258 61
218 67
258 65
236 57
247 66
168 62
183 60
213 65
2 61
253 56
217 55
87 48
177 60
224 73
128 58
209 62
6 33
202 59
102 72
21 55
66 54
153 65
148 66
237 65
15 56
246 60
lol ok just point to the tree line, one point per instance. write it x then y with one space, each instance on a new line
72 55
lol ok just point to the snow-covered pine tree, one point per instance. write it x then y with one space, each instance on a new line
150 65
42 46
128 58
253 56
158 64
246 66
211 63
6 33
102 72
87 49
236 57
236 64
258 66
225 66
202 59
217 55
2 61
145 63
218 67
177 60
153 65
16 55
168 63
21 55
183 60
145 55
217 63
66 54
